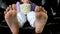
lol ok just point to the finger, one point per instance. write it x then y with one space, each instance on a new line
13 6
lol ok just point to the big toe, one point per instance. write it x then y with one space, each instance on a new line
14 13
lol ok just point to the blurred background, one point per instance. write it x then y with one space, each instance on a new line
53 10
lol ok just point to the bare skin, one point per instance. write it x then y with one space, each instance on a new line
41 19
10 15
11 18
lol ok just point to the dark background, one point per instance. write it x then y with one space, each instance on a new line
53 10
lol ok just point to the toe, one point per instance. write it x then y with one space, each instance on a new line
14 10
5 12
13 6
37 9
10 7
8 12
7 9
43 10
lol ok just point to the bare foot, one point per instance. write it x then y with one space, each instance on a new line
11 18
39 12
41 19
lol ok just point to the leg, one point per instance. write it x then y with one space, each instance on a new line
41 19
11 19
